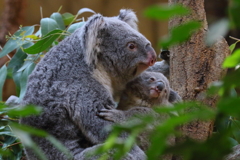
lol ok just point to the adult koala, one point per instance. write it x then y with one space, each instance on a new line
80 76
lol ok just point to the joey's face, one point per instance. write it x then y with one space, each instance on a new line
126 52
157 87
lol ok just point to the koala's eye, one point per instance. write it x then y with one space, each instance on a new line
152 79
131 46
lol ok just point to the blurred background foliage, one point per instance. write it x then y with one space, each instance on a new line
32 42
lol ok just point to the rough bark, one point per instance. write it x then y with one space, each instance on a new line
194 66
235 155
11 19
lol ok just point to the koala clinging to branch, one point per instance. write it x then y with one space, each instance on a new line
80 76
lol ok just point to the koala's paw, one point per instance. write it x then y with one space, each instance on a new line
112 114
165 55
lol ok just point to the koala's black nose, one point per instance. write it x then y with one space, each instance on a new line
160 86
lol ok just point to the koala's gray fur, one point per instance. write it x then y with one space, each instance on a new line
141 94
84 73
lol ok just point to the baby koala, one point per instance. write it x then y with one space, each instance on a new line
141 94
148 90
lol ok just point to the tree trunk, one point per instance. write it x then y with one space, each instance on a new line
193 66
11 19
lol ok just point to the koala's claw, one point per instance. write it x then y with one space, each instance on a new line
106 114
112 115
109 107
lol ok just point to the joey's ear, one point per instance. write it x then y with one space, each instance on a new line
128 16
174 97
91 41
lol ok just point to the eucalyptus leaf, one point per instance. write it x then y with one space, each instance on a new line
75 26
216 31
58 18
44 43
68 18
47 25
23 80
59 146
8 140
236 130
180 34
234 8
82 10
23 131
8 133
28 129
3 75
17 40
17 60
232 60
232 46
164 12
24 111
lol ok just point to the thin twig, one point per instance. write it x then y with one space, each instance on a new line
13 144
234 38
8 56
41 12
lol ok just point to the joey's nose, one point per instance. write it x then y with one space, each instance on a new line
160 86
151 55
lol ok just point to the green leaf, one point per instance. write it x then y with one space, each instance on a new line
47 25
3 75
180 34
216 31
232 46
236 130
232 60
8 141
234 8
58 18
75 26
164 12
229 106
44 43
17 60
23 131
28 129
8 133
24 111
56 143
24 77
16 40
82 10
68 18
29 60
233 142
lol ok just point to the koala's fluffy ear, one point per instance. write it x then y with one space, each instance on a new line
91 29
128 16
174 97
